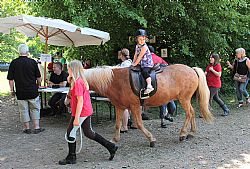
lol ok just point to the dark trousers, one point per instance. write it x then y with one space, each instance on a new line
57 103
86 127
88 132
171 107
215 96
145 72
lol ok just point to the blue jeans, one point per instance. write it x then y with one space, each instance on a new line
240 91
171 107
245 87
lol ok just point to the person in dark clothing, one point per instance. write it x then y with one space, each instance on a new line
57 79
24 73
87 64
241 66
166 110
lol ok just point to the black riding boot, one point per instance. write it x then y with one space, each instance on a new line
71 157
163 125
225 109
169 118
112 148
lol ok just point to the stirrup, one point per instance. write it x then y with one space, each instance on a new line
148 90
142 95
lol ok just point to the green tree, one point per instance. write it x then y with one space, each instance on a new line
190 29
10 42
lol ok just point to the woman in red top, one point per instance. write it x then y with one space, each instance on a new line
213 74
81 109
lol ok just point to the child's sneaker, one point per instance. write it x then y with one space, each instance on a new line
148 90
240 105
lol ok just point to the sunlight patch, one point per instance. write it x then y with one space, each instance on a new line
238 164
2 158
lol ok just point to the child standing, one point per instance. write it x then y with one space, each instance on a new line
213 74
81 114
143 57
126 62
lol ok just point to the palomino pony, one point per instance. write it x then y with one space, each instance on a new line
176 82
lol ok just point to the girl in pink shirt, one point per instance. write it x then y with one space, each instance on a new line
81 114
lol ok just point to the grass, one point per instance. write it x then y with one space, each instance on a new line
4 89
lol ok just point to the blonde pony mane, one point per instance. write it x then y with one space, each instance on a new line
100 77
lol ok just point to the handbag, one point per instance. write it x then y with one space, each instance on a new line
240 78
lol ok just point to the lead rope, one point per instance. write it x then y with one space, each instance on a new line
80 148
81 136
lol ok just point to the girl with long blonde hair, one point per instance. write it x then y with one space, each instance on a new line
81 112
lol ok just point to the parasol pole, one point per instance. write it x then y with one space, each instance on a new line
46 52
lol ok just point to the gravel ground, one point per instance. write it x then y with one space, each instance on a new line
223 144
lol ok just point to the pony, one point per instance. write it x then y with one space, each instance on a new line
176 82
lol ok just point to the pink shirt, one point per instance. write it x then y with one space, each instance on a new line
79 89
158 59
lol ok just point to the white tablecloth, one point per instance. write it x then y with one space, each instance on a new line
54 90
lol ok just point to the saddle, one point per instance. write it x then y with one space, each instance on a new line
138 83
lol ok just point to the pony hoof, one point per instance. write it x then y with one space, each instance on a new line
189 136
114 140
182 138
152 144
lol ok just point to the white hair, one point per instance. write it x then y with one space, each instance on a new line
23 49
240 50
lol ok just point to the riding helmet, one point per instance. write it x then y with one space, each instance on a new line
141 32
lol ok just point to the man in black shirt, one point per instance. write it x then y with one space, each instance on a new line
24 73
58 78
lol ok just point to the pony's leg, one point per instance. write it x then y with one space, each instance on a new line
193 123
136 112
118 124
186 106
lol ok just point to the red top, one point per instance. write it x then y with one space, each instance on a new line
212 79
158 59
50 66
80 89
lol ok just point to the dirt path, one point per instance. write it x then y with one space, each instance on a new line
223 144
